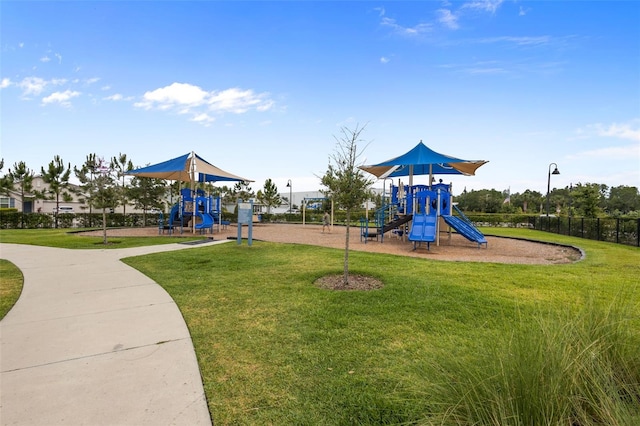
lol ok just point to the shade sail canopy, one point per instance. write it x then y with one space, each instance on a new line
422 160
187 168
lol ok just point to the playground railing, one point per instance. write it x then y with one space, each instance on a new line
462 215
383 216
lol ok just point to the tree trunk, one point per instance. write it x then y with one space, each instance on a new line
57 210
345 278
124 203
104 226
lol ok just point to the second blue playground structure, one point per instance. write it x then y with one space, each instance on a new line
414 212
196 209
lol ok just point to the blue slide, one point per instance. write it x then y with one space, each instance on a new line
423 229
466 229
206 222
174 216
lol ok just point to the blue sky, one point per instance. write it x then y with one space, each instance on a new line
262 89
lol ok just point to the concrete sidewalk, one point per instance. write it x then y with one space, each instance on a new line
92 341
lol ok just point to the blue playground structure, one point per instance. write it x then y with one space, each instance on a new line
193 209
414 211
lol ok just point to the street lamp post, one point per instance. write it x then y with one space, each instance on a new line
290 194
555 172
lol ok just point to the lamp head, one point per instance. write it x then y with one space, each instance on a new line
555 171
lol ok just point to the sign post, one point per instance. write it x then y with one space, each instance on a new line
245 216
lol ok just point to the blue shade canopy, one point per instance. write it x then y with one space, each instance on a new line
187 168
422 160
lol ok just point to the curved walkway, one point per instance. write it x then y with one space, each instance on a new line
92 341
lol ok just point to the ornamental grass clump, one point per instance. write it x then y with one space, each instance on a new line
559 369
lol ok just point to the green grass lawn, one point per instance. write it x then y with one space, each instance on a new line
441 343
73 239
11 281
274 349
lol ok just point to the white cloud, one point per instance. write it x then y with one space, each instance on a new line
184 98
203 118
174 94
93 80
45 59
630 130
610 153
5 83
520 41
380 10
623 131
116 97
414 31
59 57
265 106
480 68
36 85
62 98
486 70
384 60
484 5
237 101
32 85
448 19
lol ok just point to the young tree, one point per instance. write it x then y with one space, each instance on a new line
269 195
57 177
22 176
147 193
346 183
530 198
586 199
6 184
105 195
242 191
121 166
86 174
226 196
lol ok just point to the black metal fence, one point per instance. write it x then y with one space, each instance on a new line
613 230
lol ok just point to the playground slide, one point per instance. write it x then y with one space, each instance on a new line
465 229
423 229
206 221
174 215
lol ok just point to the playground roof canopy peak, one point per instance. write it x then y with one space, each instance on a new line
422 160
187 168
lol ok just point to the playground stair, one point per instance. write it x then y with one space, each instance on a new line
385 223
396 223
365 233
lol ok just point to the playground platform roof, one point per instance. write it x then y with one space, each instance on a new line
187 168
422 160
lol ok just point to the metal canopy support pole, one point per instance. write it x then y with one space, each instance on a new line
192 174
438 213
